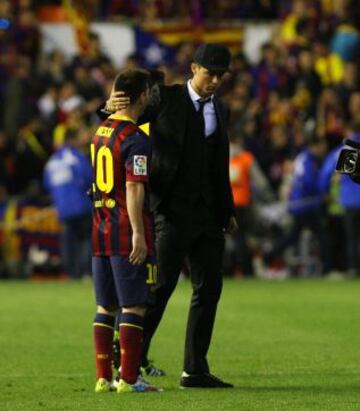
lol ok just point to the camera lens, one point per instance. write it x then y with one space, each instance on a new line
350 163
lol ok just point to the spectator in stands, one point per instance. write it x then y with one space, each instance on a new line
6 163
88 88
328 65
330 117
299 26
18 97
68 177
53 70
270 74
349 84
118 8
354 105
306 72
47 106
132 61
69 99
33 148
264 9
278 151
91 56
72 121
183 56
346 41
27 35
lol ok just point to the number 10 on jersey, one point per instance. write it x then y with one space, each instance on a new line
104 172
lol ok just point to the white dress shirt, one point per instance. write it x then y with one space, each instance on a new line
209 110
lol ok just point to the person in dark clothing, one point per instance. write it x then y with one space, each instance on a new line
306 72
192 202
305 201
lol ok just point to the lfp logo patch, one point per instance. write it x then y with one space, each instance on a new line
140 165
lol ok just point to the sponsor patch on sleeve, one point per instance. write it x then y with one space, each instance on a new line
140 165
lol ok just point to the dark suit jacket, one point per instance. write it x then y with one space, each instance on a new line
167 113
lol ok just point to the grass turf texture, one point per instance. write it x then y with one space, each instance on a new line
293 345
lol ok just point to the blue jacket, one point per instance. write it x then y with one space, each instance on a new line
328 169
67 177
304 192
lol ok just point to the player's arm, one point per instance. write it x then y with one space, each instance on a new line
135 195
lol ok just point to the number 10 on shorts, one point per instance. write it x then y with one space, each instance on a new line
152 273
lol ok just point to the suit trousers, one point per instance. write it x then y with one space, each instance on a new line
202 243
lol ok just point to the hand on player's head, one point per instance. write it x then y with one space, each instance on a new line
117 101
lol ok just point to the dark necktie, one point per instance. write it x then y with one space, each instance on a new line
200 111
202 103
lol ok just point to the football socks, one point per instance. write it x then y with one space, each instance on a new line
131 334
103 340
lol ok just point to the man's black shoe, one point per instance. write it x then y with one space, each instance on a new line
202 381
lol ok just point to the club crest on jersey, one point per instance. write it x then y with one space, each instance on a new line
140 165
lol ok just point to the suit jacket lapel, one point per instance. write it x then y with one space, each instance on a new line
220 117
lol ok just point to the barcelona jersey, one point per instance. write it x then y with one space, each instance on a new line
120 152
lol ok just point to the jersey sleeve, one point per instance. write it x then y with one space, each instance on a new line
137 158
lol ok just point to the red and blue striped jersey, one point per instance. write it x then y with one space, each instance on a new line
120 152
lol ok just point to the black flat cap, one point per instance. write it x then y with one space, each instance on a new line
214 57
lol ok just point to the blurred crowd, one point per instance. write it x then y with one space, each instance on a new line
304 91
290 112
195 10
191 10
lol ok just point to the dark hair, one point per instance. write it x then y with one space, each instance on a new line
132 83
156 77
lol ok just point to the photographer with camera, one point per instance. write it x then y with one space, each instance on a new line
348 164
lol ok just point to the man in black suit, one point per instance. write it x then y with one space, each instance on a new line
192 201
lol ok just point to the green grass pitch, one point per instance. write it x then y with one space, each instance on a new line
292 345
